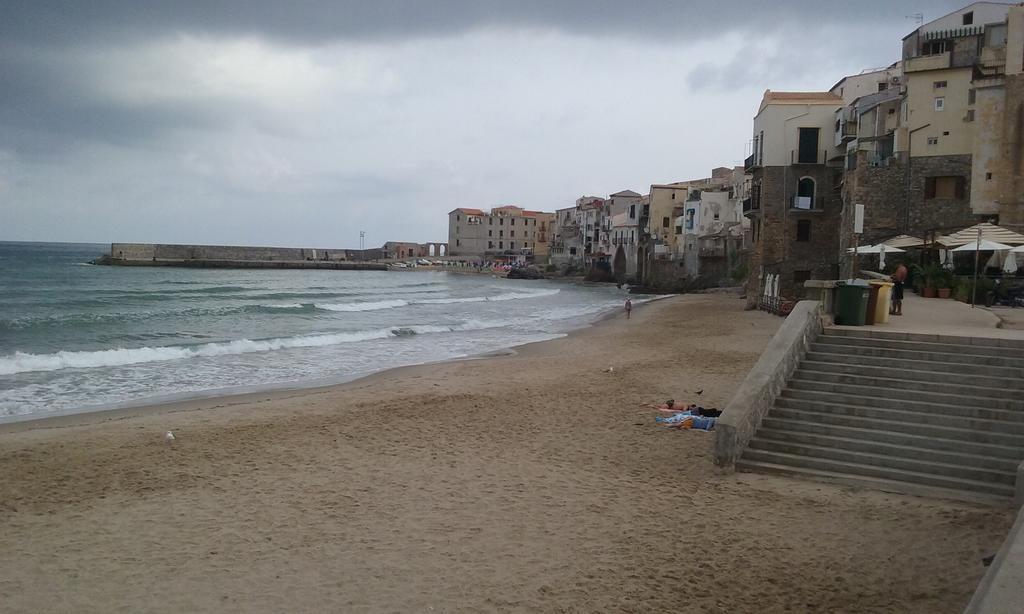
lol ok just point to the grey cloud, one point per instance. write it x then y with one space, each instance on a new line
316 21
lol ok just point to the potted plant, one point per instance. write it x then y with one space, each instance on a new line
929 279
962 291
944 283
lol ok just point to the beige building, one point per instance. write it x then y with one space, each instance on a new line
506 232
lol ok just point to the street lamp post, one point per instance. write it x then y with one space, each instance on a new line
362 245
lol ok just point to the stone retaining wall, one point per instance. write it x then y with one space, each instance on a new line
742 416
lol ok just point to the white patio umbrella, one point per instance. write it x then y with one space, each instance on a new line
984 245
877 249
1010 264
1017 250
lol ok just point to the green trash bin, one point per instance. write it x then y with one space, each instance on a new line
852 303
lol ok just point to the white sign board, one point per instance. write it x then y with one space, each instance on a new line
858 219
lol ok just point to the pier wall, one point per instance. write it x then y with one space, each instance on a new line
237 256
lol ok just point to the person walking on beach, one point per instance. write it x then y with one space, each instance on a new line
629 307
899 276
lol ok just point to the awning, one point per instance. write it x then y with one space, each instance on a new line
989 232
903 241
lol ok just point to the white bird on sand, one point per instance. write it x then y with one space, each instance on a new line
610 370
169 437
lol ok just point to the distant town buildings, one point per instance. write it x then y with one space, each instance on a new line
928 144
503 233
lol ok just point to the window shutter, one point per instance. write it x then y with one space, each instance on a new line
929 187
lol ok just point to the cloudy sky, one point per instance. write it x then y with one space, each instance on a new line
302 123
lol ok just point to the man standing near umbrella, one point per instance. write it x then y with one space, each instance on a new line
899 276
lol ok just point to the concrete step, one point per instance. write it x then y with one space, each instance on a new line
907 364
907 381
923 407
964 356
916 375
940 439
953 457
897 423
886 461
862 481
883 415
875 333
751 455
921 346
896 389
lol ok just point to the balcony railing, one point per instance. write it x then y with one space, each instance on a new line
751 162
808 203
751 204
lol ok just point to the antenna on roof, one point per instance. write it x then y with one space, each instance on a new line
917 17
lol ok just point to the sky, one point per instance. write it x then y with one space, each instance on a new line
303 123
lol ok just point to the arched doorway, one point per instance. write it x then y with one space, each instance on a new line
443 249
430 250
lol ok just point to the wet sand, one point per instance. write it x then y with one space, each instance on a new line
532 482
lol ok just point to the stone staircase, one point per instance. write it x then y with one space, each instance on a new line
900 412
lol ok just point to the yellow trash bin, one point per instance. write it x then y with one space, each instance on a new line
884 300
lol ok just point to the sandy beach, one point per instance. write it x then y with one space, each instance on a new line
532 482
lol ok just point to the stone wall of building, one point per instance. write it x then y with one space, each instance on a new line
1011 164
777 250
931 216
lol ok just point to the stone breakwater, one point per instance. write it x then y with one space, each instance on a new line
234 256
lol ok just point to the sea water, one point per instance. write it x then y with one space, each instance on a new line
76 337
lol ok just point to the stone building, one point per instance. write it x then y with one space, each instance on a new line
942 153
794 205
504 233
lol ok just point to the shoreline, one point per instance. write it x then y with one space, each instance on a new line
271 392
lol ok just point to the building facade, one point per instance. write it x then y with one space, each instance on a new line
504 233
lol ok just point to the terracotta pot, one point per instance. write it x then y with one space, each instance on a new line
944 292
928 292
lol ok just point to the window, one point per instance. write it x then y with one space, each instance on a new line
799 277
572 251
804 194
988 176
501 221
490 245
632 212
972 95
501 245
511 233
968 18
490 233
457 243
970 115
882 86
934 47
952 187
716 215
933 140
940 103
501 233
673 194
458 218
803 230
664 222
512 221
939 84
512 245
808 152
679 229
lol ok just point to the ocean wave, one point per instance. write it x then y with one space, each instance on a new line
363 306
396 303
21 362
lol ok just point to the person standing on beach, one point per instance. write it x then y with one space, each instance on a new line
899 276
629 307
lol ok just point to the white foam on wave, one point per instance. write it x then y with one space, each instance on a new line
21 362
364 306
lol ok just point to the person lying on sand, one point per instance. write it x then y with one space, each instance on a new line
669 407
685 420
